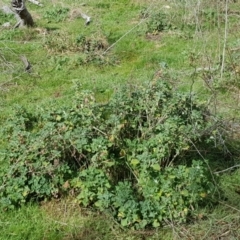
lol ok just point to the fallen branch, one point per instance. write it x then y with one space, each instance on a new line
36 2
26 63
78 13
86 17
7 10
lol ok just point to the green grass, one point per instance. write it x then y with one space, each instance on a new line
132 57
28 223
65 220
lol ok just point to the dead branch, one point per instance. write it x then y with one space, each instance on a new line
86 17
78 13
36 2
7 10
20 9
228 169
26 63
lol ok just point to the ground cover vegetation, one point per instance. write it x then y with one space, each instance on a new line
124 128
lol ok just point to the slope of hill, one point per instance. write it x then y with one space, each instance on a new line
192 46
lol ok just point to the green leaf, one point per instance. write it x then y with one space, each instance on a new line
109 163
156 223
135 162
156 167
58 118
124 222
185 193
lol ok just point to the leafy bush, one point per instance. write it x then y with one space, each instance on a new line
130 156
56 15
94 184
158 22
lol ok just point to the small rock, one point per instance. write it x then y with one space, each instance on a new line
6 25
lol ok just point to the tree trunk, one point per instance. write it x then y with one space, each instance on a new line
21 10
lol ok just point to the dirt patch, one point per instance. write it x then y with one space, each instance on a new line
154 37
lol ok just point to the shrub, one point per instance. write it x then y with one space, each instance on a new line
56 15
127 156
158 22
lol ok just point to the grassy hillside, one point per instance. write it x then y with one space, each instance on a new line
193 45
